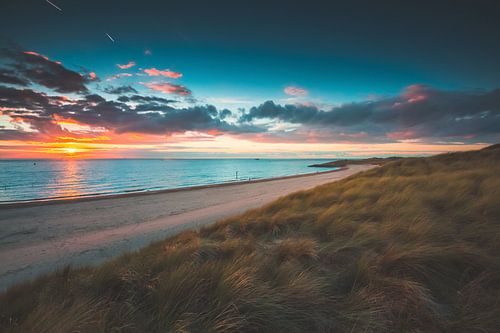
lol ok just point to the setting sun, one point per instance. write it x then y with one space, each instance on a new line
70 150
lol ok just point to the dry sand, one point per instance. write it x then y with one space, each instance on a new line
40 238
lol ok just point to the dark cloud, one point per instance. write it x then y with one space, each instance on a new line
290 113
94 98
10 77
22 98
41 111
146 99
148 103
17 135
120 90
199 118
223 114
35 68
419 112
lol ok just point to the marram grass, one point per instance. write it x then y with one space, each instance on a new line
412 246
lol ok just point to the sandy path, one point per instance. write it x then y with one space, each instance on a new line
40 239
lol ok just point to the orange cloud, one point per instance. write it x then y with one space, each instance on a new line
126 66
100 138
168 88
167 73
295 91
61 120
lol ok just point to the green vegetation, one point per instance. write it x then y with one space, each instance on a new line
412 246
343 163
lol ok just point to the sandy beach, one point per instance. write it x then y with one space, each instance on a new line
42 237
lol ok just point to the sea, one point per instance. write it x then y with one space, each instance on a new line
34 180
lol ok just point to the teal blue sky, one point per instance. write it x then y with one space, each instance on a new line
250 50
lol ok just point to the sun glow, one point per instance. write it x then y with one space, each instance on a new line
73 151
70 151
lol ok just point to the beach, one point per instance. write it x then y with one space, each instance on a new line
37 238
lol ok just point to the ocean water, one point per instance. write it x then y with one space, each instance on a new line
24 180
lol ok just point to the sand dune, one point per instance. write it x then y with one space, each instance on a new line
36 239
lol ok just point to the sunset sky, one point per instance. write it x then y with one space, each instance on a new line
158 79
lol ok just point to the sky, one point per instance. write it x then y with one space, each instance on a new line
277 79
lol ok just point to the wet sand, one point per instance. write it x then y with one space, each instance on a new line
37 238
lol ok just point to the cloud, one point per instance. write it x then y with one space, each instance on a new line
165 72
126 66
10 77
147 103
295 91
34 68
147 115
36 54
117 76
290 113
146 99
418 112
17 135
223 114
168 88
401 135
120 90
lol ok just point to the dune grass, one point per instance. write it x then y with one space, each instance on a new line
346 162
412 246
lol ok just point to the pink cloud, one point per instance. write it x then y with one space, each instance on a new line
41 56
168 88
126 66
402 135
167 73
295 91
36 54
415 93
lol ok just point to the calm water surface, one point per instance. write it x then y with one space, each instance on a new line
45 179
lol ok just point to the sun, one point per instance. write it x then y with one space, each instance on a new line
70 151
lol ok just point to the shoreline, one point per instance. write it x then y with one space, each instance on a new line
40 238
94 197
